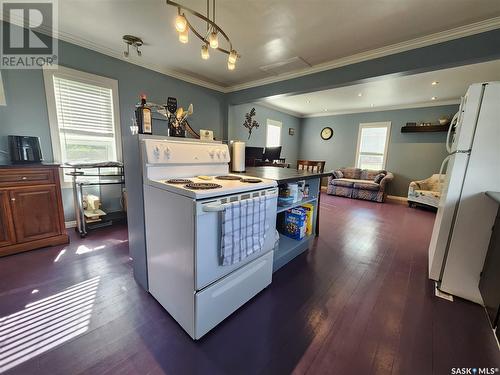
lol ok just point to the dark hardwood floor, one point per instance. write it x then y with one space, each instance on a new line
359 302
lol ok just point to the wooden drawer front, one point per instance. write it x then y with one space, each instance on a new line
35 211
20 177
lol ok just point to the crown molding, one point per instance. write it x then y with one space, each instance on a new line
443 36
384 108
276 108
137 61
81 42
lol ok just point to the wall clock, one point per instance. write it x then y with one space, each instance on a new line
327 133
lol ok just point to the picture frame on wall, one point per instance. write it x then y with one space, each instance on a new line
291 131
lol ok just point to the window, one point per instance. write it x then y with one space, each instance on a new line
2 93
273 133
373 139
83 115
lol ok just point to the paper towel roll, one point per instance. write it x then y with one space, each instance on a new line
238 164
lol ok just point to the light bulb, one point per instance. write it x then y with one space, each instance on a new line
204 52
233 55
180 23
184 36
231 65
213 39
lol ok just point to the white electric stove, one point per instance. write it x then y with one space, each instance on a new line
210 186
187 187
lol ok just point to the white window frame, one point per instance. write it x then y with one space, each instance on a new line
2 92
92 79
278 124
385 124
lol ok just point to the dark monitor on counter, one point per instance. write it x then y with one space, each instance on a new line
252 154
272 153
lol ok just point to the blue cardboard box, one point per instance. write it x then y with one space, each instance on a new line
295 223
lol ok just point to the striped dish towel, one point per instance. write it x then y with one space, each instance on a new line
243 229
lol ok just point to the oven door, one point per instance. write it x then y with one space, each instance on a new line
208 268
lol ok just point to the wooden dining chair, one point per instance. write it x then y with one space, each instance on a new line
314 166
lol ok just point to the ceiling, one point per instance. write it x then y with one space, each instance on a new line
264 32
390 93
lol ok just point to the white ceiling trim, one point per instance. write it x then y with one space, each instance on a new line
137 61
455 33
443 36
383 108
81 42
282 110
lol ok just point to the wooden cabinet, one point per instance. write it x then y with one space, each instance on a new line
7 236
31 213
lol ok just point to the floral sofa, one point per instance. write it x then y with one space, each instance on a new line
426 192
359 183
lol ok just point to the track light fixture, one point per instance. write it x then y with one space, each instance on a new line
180 23
184 36
209 37
205 55
214 40
134 42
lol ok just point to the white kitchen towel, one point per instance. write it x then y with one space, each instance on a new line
243 229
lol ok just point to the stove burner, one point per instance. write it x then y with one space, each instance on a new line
202 186
178 181
235 178
251 180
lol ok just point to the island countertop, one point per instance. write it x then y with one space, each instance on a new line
283 175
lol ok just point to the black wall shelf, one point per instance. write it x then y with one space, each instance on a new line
424 129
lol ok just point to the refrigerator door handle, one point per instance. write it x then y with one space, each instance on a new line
441 169
450 129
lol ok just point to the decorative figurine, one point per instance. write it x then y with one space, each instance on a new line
250 123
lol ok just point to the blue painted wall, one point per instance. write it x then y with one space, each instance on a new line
26 111
290 143
410 156
26 114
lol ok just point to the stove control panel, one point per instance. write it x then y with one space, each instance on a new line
177 152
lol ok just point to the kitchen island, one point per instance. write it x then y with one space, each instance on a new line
288 247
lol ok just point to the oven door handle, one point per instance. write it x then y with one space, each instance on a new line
214 207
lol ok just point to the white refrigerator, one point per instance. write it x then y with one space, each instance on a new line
465 215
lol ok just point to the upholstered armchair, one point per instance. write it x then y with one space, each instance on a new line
425 192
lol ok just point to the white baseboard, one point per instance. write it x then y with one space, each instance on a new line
397 199
70 224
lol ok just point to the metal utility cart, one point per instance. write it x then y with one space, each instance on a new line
86 175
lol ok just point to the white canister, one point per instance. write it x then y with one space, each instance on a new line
238 159
294 191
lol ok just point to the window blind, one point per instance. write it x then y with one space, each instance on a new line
372 145
273 133
83 108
